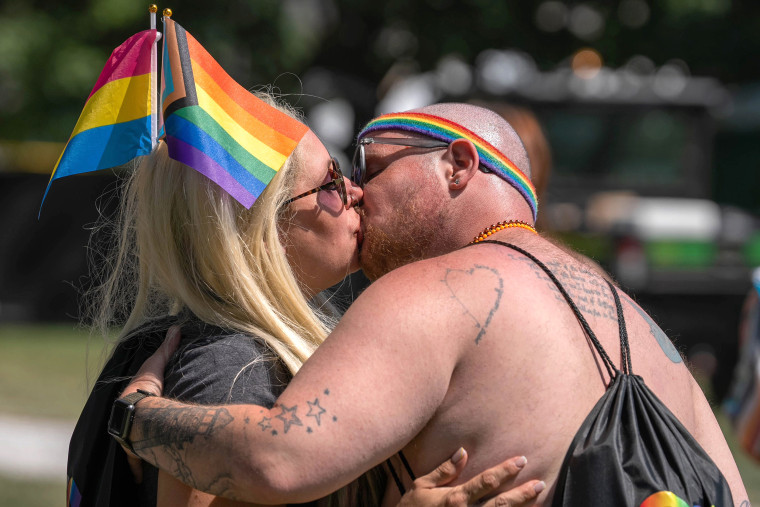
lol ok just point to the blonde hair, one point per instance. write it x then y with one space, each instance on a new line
183 243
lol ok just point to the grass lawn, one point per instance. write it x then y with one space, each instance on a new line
749 469
47 370
16 493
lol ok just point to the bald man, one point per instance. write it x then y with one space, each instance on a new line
453 344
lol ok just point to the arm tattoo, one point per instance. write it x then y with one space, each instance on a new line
181 426
170 430
662 339
288 418
489 279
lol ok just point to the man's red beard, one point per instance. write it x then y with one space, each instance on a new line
410 239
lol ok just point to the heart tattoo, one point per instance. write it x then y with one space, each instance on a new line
485 277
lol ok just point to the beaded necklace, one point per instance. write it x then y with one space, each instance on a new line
501 226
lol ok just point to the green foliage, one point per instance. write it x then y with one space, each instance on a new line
680 7
116 14
51 52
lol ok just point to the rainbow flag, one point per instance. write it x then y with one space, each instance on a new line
115 124
216 126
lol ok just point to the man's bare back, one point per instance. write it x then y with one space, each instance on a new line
528 376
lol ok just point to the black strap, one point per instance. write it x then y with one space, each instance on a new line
406 465
399 484
395 476
625 350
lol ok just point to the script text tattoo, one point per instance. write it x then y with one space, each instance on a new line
588 290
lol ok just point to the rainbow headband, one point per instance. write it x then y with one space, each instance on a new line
445 130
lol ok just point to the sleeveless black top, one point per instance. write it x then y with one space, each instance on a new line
631 450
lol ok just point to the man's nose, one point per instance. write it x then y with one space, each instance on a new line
355 193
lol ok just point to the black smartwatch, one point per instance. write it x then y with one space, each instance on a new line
122 415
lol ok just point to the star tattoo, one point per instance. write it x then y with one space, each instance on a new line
264 423
315 410
288 417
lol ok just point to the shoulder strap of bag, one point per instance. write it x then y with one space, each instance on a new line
625 349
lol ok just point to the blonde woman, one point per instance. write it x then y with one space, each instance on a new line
245 286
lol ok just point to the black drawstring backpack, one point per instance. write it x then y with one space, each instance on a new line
631 450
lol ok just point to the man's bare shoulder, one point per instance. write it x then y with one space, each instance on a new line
434 293
422 278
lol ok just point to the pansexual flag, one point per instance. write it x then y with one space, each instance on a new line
115 125
216 126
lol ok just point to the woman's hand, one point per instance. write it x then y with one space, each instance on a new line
430 489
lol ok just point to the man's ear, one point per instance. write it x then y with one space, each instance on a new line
465 162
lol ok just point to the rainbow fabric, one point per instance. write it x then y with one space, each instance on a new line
448 131
115 124
665 499
216 126
73 496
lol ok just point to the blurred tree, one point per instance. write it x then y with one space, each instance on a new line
51 51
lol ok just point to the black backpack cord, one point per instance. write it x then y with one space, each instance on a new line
625 349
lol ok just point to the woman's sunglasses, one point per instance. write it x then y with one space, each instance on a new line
336 183
359 169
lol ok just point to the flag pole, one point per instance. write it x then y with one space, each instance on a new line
155 106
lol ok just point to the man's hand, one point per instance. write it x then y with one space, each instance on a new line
150 378
430 489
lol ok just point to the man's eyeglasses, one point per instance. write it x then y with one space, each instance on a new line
359 170
336 183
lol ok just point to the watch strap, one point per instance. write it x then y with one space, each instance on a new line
138 395
131 399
